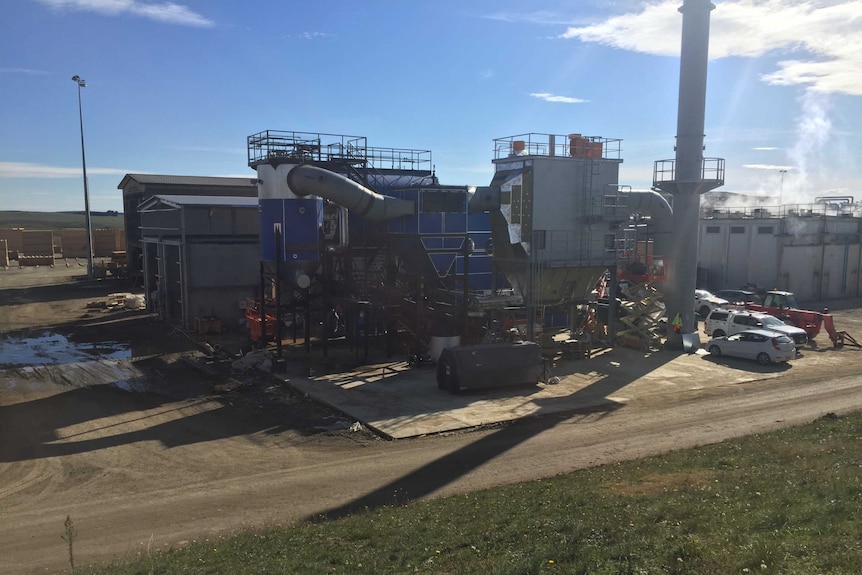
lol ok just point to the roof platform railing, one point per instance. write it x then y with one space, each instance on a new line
558 145
276 146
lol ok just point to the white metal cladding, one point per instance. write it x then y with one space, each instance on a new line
816 258
272 182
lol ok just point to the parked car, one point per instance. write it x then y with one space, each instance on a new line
739 296
766 347
705 302
730 321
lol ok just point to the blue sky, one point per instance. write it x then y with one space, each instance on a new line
176 87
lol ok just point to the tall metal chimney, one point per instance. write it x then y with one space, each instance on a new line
690 175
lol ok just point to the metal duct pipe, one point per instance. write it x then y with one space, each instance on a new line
657 207
308 180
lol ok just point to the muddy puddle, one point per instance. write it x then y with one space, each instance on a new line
54 349
42 361
52 358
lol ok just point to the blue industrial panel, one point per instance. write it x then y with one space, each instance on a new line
430 223
411 224
271 212
302 220
478 264
455 223
481 282
442 263
408 194
432 243
479 221
453 243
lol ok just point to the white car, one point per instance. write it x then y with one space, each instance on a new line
705 302
764 346
730 321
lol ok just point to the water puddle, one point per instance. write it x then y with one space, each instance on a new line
54 349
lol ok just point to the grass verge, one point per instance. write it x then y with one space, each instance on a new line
784 502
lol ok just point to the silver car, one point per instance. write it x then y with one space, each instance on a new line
764 346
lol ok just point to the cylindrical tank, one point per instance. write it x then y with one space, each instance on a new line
299 218
489 365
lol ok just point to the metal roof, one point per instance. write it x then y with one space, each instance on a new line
205 181
179 201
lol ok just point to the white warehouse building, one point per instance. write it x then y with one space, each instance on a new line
813 250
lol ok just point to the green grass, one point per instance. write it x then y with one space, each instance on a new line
57 220
785 502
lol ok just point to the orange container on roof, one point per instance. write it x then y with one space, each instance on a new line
577 146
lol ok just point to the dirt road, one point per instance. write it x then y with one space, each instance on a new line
143 471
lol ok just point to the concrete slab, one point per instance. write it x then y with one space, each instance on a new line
399 401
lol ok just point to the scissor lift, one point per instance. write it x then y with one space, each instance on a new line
644 311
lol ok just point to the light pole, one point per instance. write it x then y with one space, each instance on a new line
82 84
781 190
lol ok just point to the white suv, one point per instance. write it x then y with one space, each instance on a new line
705 302
730 321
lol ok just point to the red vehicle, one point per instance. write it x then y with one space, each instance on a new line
783 305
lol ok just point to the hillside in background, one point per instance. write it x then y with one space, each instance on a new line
59 220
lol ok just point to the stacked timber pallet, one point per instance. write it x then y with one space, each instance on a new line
14 241
74 242
37 248
105 242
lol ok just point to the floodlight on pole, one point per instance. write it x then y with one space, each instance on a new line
781 189
90 271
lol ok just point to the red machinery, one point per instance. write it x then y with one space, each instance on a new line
783 305
252 316
643 269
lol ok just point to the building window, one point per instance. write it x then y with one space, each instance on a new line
737 229
765 229
443 202
712 229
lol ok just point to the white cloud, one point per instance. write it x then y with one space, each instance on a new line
28 71
554 98
486 74
166 12
823 35
29 170
765 148
543 17
767 167
315 35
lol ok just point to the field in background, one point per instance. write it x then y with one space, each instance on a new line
58 220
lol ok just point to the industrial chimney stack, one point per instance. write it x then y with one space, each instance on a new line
690 174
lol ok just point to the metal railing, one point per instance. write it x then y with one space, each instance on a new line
781 211
712 170
276 145
557 145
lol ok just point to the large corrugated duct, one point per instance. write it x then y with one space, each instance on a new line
656 206
308 180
